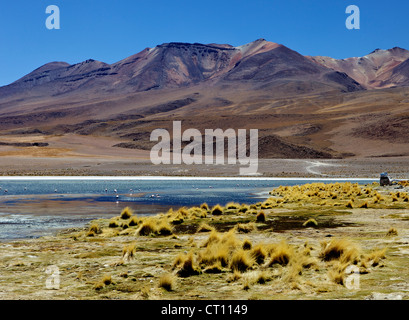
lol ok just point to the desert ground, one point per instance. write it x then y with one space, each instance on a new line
301 243
76 155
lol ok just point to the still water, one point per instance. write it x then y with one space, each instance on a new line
34 208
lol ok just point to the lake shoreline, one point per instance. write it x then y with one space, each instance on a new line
113 259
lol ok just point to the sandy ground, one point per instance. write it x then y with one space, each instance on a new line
397 168
77 155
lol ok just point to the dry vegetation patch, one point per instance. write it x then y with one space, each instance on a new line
216 252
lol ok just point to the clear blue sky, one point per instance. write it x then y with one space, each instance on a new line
110 30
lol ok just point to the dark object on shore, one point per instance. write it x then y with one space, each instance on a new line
384 179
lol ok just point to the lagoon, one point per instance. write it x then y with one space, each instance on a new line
32 207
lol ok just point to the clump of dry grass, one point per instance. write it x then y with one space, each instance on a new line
152 226
167 282
232 206
177 219
214 268
261 217
147 227
234 276
105 281
310 223
247 245
204 227
241 260
281 254
339 249
213 237
188 266
374 258
113 224
259 253
133 222
217 210
128 251
126 213
219 247
392 232
204 206
244 208
215 253
245 227
163 228
93 230
337 273
363 205
262 277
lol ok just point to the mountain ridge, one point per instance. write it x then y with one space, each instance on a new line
303 106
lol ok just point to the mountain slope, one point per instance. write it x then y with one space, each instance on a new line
304 107
175 65
379 69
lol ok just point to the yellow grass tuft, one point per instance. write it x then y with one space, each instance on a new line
247 245
217 210
259 253
93 230
281 254
188 267
164 228
134 221
236 275
215 253
128 251
339 249
148 227
113 224
310 223
363 205
392 232
375 257
261 217
126 213
204 206
214 268
244 208
241 260
204 227
167 282
245 227
232 206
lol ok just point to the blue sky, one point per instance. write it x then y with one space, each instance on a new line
112 30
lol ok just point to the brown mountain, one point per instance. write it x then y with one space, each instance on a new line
304 107
175 65
379 69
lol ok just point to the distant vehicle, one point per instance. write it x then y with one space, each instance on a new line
384 180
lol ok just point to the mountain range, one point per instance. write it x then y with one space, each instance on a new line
303 106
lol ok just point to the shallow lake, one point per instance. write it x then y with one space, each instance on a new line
36 207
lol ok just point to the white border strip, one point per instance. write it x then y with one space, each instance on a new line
125 178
